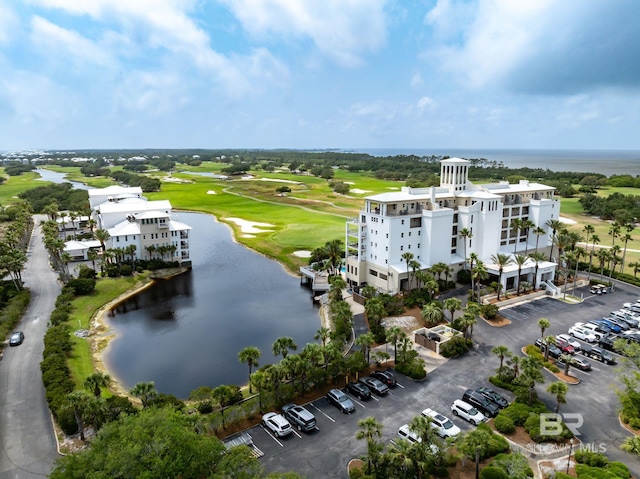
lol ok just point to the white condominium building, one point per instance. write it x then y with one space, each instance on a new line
427 222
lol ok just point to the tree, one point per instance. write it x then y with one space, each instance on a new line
249 356
408 256
323 334
78 402
432 314
527 226
145 391
559 390
478 273
516 226
152 443
595 239
452 305
537 258
501 260
282 345
520 261
603 256
538 231
96 382
394 335
365 341
502 352
465 234
370 429
543 324
467 321
102 236
530 375
614 232
555 225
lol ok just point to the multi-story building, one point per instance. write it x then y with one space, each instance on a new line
427 222
131 219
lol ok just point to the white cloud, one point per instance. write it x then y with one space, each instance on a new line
416 81
343 30
8 22
50 37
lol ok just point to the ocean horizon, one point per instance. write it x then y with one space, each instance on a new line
606 162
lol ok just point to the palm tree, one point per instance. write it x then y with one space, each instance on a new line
559 390
539 231
323 334
334 251
502 352
555 225
370 429
465 234
537 258
78 401
530 374
365 341
96 382
543 324
636 268
548 341
144 391
603 256
516 226
415 266
514 362
432 314
589 229
595 239
249 356
478 273
467 321
150 250
578 253
627 237
408 256
520 260
614 232
452 305
394 334
92 255
502 261
527 225
102 236
282 345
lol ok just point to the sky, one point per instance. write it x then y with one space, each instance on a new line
353 74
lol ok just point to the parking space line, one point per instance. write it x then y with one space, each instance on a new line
271 436
400 385
296 433
358 402
323 413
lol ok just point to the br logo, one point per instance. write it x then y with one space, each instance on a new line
551 423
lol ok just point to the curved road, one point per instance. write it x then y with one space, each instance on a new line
27 441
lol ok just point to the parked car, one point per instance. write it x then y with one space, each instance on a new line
467 412
582 333
16 338
442 424
565 346
340 400
567 338
554 351
405 432
359 390
603 326
608 342
612 325
632 319
376 386
277 424
481 403
299 417
619 321
494 396
599 355
597 331
597 288
577 362
386 376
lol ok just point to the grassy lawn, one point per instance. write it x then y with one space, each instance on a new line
80 360
14 185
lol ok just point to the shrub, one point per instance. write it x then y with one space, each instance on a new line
504 423
414 369
515 465
126 270
85 272
593 459
491 472
517 412
594 472
82 286
456 346
489 311
619 469
496 444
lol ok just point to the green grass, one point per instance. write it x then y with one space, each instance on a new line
85 307
14 185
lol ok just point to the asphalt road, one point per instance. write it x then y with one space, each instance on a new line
27 441
326 452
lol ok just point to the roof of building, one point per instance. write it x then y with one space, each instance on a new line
80 245
115 190
125 228
151 214
178 226
134 207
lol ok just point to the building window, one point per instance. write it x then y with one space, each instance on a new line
387 235
383 277
409 247
386 248
401 248
373 272
419 233
401 235
455 218
418 245
402 221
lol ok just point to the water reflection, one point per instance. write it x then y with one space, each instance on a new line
187 331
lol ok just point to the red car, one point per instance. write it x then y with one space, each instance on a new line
565 347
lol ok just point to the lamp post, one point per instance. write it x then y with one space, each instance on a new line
477 462
570 450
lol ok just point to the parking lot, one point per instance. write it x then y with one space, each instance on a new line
326 451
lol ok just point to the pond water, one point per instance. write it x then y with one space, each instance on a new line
186 332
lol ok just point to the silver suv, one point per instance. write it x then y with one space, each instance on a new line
277 424
299 417
442 424
341 401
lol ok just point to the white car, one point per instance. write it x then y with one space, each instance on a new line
591 328
405 432
442 424
468 412
569 340
277 424
581 333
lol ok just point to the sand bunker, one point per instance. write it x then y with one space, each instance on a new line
566 221
251 227
358 191
279 181
302 253
211 192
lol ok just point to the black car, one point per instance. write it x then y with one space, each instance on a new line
16 338
359 390
554 351
599 355
481 403
608 342
376 386
340 400
494 397
386 377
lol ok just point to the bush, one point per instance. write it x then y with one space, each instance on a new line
414 369
489 311
456 346
126 270
619 469
495 445
594 472
81 286
593 459
515 465
85 272
491 472
504 423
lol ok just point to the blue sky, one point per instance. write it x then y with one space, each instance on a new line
319 74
